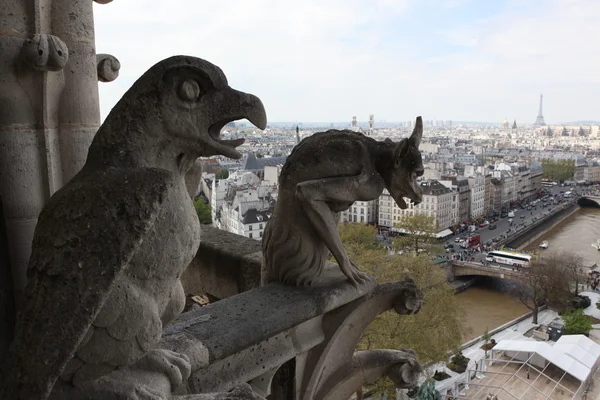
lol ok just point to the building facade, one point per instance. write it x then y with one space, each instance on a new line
437 203
477 195
361 211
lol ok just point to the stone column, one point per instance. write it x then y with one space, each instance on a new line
49 110
78 109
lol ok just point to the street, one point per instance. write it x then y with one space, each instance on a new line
522 216
502 224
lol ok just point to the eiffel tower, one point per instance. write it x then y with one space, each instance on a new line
539 121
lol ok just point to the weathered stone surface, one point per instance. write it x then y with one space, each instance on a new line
265 312
333 370
325 174
248 337
226 264
7 305
257 331
111 245
49 111
45 52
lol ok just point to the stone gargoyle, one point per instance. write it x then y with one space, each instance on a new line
324 175
111 245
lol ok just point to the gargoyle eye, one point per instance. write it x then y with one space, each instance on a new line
189 90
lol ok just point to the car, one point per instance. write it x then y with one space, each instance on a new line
457 240
522 217
492 227
482 225
449 246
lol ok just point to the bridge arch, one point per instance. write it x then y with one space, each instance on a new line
589 201
462 269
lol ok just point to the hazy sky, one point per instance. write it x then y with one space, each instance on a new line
327 60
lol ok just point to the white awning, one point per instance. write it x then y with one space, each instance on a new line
549 353
444 233
580 348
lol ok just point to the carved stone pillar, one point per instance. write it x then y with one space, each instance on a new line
49 110
78 110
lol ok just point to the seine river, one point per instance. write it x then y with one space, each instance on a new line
575 234
487 307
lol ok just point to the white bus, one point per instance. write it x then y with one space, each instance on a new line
509 258
549 184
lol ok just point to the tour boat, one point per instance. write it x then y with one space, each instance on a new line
544 244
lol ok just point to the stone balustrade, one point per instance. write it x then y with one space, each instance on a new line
226 264
247 337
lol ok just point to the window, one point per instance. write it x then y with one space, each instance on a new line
362 219
250 235
249 227
260 234
259 226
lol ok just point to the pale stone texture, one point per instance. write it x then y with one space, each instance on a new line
49 110
226 265
249 337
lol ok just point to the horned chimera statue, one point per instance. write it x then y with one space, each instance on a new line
325 174
111 245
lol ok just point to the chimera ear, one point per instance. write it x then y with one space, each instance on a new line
417 134
400 151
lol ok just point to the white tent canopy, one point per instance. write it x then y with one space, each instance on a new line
567 363
580 348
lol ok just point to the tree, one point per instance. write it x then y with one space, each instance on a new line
420 230
558 170
576 323
427 391
574 266
203 210
544 283
223 173
486 336
435 330
360 234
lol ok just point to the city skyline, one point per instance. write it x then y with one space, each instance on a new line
455 59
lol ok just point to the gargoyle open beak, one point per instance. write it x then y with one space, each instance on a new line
236 105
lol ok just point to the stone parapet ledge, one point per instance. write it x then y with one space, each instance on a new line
226 264
246 338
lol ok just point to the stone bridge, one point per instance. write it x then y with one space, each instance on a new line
462 268
589 201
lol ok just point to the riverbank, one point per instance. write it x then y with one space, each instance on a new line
553 224
540 227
